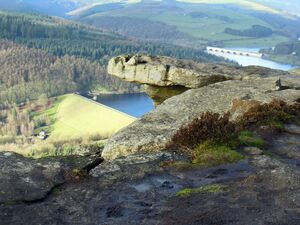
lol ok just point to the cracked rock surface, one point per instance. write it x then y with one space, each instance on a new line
24 179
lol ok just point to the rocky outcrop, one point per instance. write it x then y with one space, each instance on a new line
166 71
138 184
28 180
166 77
153 131
141 189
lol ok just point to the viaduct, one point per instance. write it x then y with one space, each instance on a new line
234 52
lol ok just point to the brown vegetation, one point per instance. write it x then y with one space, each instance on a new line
219 130
208 127
269 114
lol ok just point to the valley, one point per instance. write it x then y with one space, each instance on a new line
149 112
201 21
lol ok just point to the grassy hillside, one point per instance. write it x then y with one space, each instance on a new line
288 7
202 21
245 3
80 117
295 71
72 122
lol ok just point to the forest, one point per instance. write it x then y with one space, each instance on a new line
33 72
285 52
138 28
256 31
286 48
284 26
60 37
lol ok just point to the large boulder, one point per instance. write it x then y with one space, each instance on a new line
166 77
165 71
153 131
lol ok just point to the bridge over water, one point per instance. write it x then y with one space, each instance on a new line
234 52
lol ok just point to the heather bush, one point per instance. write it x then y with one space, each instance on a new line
218 130
209 126
271 114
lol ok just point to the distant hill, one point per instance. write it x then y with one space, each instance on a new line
193 22
77 7
190 23
288 7
48 7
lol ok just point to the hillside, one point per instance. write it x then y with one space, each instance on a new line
76 7
38 50
69 121
288 7
33 72
191 23
49 7
78 117
62 37
197 22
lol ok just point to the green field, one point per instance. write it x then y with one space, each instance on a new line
209 28
212 28
256 42
75 116
288 59
295 71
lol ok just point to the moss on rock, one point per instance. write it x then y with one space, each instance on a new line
214 188
209 154
247 138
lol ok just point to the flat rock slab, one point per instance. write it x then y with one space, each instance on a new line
131 190
153 131
24 179
292 128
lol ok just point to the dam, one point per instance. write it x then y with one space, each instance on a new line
234 52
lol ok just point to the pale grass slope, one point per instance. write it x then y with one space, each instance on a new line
80 117
101 2
244 3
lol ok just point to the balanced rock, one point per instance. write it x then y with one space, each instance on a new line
154 131
166 71
166 77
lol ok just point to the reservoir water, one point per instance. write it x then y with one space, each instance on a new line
135 105
255 61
